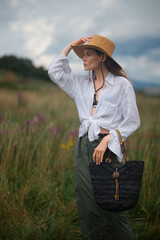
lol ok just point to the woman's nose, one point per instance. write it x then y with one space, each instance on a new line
83 59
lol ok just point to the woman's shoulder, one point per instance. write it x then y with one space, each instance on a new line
122 81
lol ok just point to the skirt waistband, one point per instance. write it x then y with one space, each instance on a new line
101 135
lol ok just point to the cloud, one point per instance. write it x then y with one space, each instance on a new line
141 68
154 53
138 46
17 3
37 35
77 67
125 20
41 29
44 60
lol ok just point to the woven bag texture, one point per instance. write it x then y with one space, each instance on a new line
104 185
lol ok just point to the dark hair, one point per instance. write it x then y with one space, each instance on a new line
112 66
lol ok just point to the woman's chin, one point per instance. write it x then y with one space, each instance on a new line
86 69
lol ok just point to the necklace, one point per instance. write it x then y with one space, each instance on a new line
95 102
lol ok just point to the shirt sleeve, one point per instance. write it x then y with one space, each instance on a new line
130 122
61 74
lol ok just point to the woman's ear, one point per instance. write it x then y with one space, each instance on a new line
103 58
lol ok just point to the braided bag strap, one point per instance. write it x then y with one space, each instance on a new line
126 158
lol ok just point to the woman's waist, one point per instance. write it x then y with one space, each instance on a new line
93 126
102 130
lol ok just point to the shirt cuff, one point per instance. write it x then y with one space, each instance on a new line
114 145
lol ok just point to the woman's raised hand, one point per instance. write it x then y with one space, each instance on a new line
79 41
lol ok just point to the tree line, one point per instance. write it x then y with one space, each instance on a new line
23 67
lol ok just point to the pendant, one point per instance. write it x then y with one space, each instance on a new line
95 101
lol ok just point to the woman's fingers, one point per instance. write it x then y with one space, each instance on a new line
82 40
98 156
102 154
100 149
94 156
87 38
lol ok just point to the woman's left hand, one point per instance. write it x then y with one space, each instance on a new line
100 149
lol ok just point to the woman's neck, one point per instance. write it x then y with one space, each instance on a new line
98 73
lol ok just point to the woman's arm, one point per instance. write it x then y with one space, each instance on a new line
100 149
60 71
130 122
127 126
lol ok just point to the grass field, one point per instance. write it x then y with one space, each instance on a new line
38 129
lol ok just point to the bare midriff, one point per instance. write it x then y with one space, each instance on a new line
103 130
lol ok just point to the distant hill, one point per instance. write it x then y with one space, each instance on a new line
142 85
150 89
23 67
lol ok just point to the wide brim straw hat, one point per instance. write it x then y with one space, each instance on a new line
98 42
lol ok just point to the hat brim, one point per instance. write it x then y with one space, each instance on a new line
79 50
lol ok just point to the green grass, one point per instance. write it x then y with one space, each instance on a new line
38 128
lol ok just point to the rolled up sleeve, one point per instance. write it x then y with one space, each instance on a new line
61 74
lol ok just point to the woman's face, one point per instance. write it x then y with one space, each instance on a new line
91 60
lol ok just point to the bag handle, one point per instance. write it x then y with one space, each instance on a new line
125 156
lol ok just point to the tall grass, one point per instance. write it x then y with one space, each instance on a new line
37 135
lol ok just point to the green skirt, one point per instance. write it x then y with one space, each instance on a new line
95 223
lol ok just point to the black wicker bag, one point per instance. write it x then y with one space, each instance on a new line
117 188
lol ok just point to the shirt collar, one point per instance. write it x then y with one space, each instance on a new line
110 78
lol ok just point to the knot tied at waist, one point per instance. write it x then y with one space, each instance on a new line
91 126
90 119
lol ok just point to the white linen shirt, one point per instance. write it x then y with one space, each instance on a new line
116 107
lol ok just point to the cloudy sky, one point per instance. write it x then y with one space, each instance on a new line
40 29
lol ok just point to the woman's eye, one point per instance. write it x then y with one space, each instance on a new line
88 54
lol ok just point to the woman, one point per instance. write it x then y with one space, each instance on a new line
105 101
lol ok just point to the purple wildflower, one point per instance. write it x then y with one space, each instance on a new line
28 122
73 134
57 130
70 134
54 132
76 132
41 118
